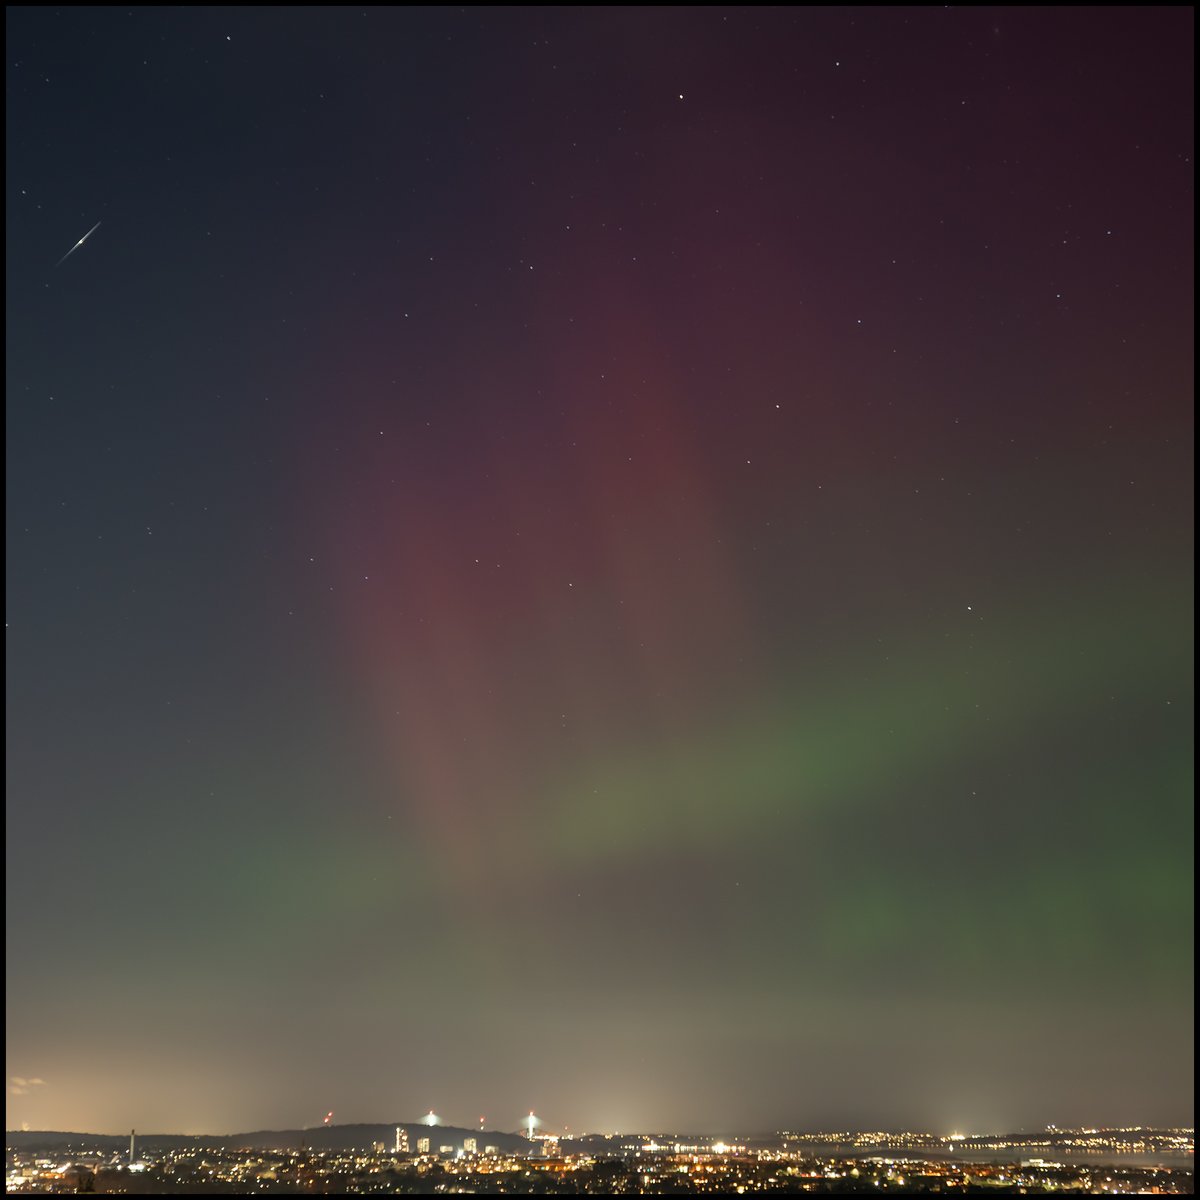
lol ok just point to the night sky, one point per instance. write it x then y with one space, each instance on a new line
629 562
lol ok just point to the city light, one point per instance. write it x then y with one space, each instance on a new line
1112 1161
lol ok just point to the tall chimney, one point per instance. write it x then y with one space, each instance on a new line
132 1136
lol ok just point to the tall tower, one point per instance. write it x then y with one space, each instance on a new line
132 1141
401 1140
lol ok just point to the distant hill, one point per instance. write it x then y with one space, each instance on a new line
323 1137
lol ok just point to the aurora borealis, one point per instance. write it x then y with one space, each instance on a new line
629 562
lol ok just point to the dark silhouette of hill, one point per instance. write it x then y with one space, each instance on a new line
323 1137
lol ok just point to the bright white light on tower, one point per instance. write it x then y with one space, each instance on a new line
431 1118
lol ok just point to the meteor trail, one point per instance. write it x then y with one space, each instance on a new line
78 244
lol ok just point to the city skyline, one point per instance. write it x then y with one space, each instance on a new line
1116 1161
413 1136
635 559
